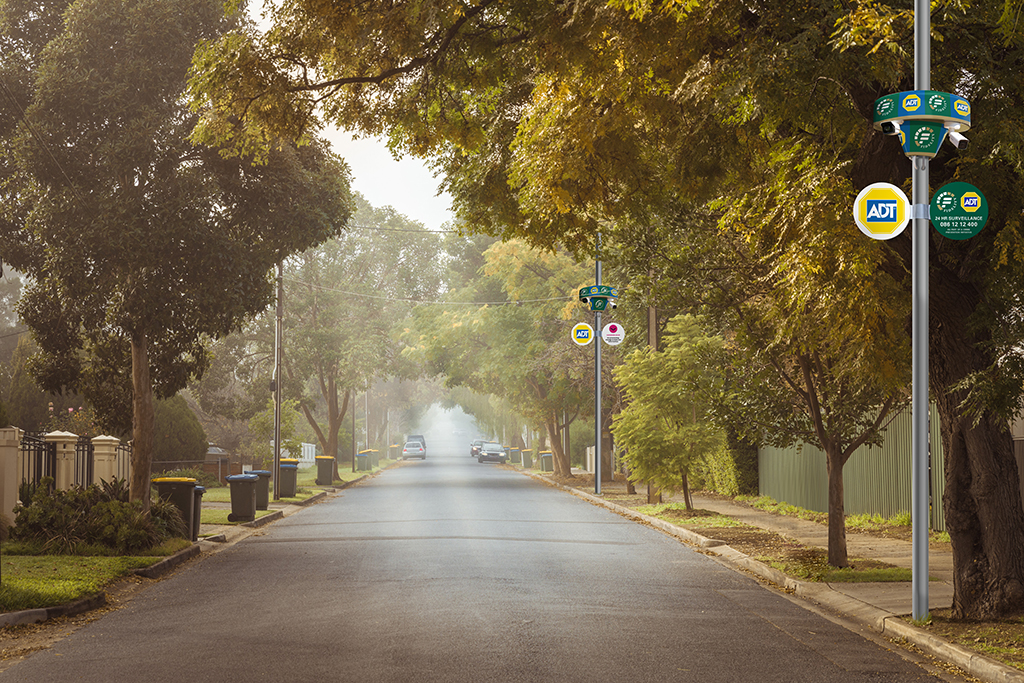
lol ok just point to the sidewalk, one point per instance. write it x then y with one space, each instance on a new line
879 606
895 598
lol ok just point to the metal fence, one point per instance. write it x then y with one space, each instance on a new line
84 452
38 459
123 459
876 480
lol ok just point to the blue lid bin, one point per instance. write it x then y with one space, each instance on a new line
243 497
287 480
262 489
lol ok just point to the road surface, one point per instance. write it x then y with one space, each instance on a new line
451 570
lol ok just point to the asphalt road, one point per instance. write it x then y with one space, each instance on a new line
450 570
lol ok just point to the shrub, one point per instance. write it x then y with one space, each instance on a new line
94 520
717 472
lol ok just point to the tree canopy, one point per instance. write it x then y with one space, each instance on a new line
550 118
140 244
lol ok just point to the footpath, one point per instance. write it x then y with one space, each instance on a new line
881 607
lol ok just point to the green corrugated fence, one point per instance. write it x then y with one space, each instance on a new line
876 480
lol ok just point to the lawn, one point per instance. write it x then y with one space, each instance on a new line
35 581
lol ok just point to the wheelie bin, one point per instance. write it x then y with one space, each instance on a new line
363 463
197 510
178 490
243 497
262 489
324 470
287 479
546 462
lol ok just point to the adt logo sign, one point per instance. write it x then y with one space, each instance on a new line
582 334
962 107
971 202
881 211
911 103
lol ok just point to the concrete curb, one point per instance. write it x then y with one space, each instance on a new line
878 620
35 616
265 519
168 563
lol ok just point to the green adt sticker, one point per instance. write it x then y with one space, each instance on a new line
959 211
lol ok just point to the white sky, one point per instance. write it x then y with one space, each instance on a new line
407 185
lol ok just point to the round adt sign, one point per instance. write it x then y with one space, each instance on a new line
881 211
583 334
613 334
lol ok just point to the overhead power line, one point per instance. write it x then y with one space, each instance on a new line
427 302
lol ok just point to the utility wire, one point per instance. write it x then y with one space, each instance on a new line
423 231
427 302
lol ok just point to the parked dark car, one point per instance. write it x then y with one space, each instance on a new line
474 448
491 451
414 449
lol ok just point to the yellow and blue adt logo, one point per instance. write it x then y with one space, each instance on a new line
881 211
582 334
971 201
912 102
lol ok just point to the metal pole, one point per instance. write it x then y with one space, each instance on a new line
352 405
919 330
277 378
597 380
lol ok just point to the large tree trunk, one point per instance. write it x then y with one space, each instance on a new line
982 501
559 458
142 421
837 555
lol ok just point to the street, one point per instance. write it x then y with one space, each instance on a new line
451 570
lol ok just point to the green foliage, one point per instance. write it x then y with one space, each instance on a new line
261 429
180 238
520 352
93 520
36 582
718 472
177 432
665 429
769 504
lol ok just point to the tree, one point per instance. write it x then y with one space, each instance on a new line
180 237
666 426
517 347
261 431
550 118
177 433
343 300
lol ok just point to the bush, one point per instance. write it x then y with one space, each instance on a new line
717 472
93 521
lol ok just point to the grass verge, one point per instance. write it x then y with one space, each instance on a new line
220 517
36 581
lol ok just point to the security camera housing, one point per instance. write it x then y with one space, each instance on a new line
891 127
957 140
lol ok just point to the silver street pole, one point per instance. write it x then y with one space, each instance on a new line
919 329
597 381
277 379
